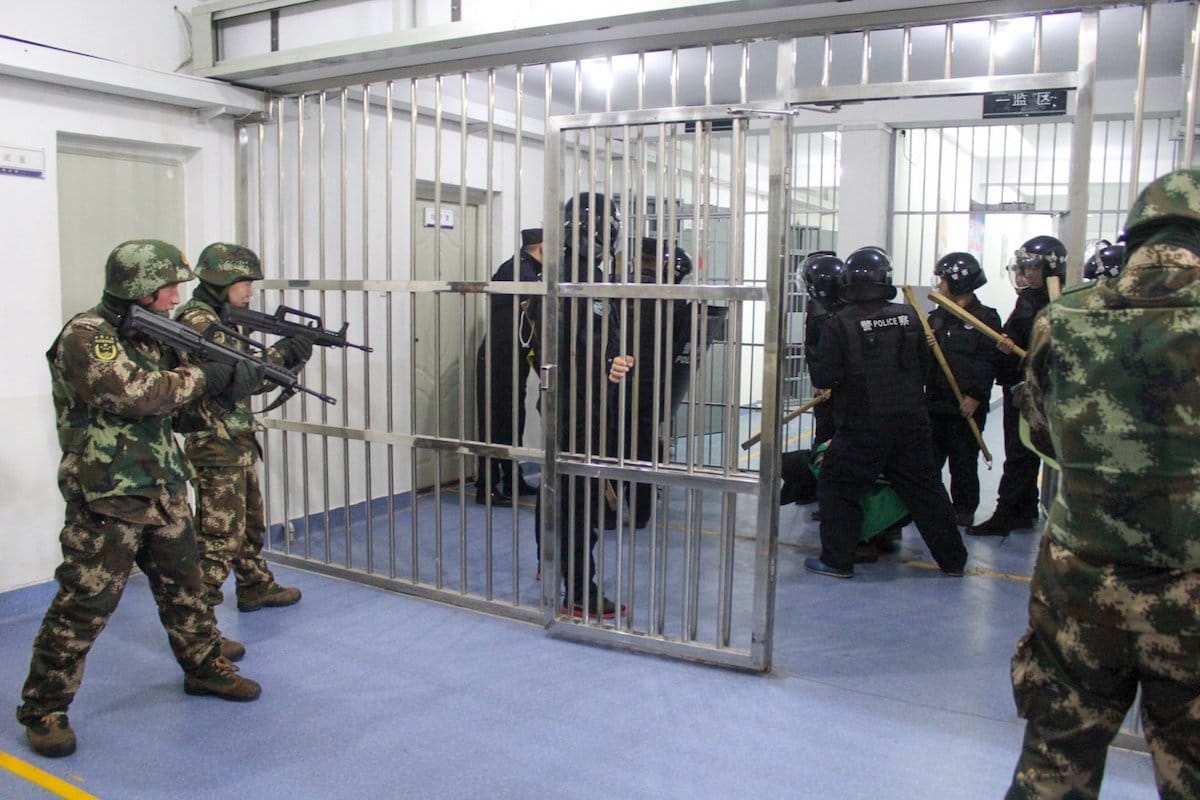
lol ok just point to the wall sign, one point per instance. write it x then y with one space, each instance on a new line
1025 103
24 161
447 220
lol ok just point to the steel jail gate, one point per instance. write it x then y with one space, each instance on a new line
389 202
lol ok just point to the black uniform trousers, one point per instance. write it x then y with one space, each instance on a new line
1017 497
954 442
901 449
497 395
824 423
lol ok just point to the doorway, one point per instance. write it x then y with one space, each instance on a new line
109 193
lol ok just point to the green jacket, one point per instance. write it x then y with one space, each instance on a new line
113 402
1112 395
222 436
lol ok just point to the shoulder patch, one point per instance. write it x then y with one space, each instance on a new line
104 347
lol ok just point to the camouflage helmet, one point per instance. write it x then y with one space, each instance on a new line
140 267
1174 196
221 264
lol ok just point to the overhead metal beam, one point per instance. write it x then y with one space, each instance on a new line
211 98
466 46
945 87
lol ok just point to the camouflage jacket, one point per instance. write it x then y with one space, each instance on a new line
1112 394
113 401
221 436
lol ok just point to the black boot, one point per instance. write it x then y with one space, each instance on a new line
1000 524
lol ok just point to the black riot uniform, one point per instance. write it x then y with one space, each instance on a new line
1017 497
973 359
822 271
661 334
497 393
874 358
589 338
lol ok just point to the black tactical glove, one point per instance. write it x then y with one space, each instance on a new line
216 376
247 377
296 349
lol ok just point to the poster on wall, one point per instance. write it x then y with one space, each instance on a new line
25 162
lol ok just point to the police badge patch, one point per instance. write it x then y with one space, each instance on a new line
104 347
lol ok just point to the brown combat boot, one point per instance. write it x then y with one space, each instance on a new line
51 736
220 679
232 650
271 595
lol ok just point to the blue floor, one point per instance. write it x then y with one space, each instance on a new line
891 685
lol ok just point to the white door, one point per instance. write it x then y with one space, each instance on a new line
447 329
105 198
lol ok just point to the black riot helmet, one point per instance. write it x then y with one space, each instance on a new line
681 264
961 271
588 212
1105 262
868 276
823 272
1044 255
676 264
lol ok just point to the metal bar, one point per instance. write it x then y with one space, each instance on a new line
947 87
948 53
343 235
463 361
1081 143
1189 123
658 542
322 190
300 271
865 78
485 391
1038 32
551 360
281 260
436 395
826 60
389 333
369 495
708 74
413 589
993 30
261 241
413 222
407 54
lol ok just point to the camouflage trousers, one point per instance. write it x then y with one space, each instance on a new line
230 526
99 552
1074 681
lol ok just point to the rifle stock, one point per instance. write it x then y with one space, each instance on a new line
187 339
278 324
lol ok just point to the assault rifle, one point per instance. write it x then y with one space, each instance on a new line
277 324
187 339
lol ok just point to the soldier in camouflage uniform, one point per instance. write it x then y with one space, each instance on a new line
1115 598
125 484
229 504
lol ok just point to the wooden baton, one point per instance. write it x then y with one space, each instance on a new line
1054 287
945 365
966 316
791 415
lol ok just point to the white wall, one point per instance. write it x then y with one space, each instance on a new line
33 115
145 33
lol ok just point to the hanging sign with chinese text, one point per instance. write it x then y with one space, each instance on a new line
1025 103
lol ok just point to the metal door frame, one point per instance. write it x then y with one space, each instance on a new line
757 657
